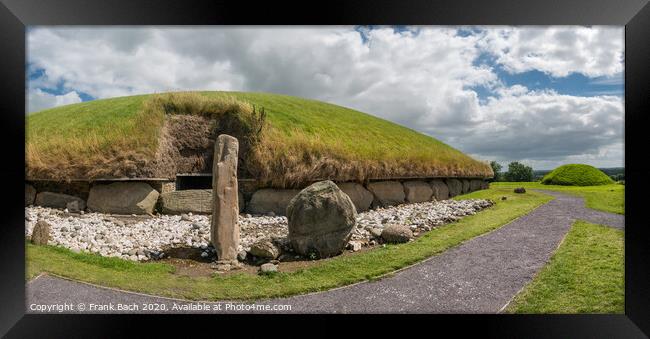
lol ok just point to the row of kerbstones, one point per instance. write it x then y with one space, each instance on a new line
116 198
140 198
127 198
374 195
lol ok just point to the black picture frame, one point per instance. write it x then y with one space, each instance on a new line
16 15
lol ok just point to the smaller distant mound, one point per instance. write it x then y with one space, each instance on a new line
576 175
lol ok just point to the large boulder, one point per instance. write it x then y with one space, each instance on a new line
465 186
30 194
57 200
321 218
271 200
475 185
455 187
123 198
417 191
387 193
396 233
440 189
41 233
360 196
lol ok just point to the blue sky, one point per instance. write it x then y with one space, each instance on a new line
496 92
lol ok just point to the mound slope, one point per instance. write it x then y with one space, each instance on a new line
576 175
287 141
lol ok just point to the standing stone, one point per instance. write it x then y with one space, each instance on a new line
225 204
321 219
30 194
361 197
455 187
417 191
440 189
41 233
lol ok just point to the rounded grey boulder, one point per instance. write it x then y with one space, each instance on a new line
264 249
321 218
395 233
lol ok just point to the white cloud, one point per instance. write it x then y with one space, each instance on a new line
39 100
423 79
558 50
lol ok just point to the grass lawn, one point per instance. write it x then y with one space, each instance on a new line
159 279
303 138
608 198
585 275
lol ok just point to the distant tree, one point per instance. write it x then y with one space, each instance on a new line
496 168
617 177
519 172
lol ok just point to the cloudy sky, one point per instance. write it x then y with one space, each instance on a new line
541 95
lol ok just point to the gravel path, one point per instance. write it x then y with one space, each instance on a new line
479 276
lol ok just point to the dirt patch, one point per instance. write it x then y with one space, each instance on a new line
186 145
188 262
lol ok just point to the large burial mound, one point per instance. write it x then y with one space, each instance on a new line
576 175
284 141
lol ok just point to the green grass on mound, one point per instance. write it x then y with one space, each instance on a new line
577 175
301 139
585 275
160 279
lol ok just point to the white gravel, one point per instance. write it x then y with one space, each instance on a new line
144 237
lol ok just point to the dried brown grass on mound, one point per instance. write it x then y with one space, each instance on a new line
280 162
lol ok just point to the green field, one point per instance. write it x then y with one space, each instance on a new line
607 198
301 139
159 279
576 175
585 275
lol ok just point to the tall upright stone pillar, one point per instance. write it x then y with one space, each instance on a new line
225 203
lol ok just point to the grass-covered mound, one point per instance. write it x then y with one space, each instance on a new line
576 175
284 140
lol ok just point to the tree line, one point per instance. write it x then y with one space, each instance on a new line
516 172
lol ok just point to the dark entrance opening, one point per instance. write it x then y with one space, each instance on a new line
193 181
